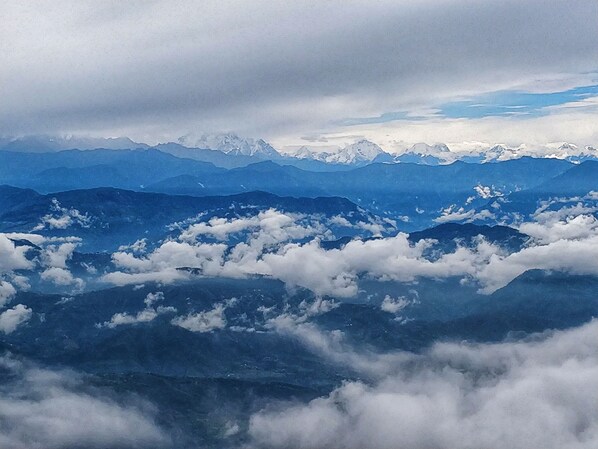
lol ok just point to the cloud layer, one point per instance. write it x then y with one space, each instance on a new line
158 70
537 393
54 409
560 241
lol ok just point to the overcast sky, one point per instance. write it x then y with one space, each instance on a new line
326 71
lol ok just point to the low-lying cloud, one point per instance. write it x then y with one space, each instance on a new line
564 242
40 408
539 393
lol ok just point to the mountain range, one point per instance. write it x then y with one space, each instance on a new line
212 284
230 150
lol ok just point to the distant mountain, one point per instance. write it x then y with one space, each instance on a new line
566 151
44 143
574 153
574 186
217 158
449 235
106 218
11 197
232 144
578 180
76 169
359 153
414 193
438 154
425 154
232 151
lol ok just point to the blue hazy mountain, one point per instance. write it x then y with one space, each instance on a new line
570 186
449 235
75 169
44 143
117 217
203 379
418 192
127 347
578 180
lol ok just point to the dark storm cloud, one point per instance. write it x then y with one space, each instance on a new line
160 68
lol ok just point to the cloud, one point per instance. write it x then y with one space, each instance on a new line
49 258
269 77
392 305
55 257
55 409
537 393
563 218
61 276
62 218
12 318
561 241
207 320
273 225
7 292
569 256
149 313
13 257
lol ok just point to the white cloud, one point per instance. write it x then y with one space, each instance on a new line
569 256
502 396
7 292
52 261
392 305
206 320
10 319
564 242
271 78
62 218
139 246
149 313
61 276
13 257
54 409
571 228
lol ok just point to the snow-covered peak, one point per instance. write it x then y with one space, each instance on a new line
501 152
232 144
304 153
565 151
423 149
422 153
361 151
574 153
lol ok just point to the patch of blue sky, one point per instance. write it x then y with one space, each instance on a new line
514 103
384 118
500 103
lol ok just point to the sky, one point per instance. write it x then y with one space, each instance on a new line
463 72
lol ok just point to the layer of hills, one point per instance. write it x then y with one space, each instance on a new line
209 351
414 194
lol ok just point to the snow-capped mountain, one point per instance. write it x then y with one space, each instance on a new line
422 153
233 145
439 154
565 151
230 150
358 153
574 153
